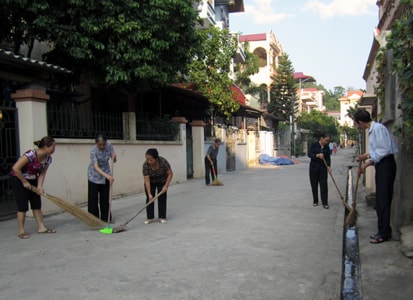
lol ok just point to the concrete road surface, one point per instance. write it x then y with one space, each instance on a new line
258 237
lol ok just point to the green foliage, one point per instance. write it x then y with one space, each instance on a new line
352 133
316 121
131 44
208 72
401 42
284 90
245 70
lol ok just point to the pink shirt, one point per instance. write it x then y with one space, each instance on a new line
33 168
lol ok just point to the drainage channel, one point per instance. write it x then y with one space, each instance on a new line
350 272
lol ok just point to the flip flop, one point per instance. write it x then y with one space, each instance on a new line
23 236
47 231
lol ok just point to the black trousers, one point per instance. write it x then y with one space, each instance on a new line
385 176
98 200
208 170
150 210
319 177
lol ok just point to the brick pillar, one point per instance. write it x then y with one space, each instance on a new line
198 147
31 107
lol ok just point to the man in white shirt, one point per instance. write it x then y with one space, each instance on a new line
381 154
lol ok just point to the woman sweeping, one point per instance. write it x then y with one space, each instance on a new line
318 152
30 170
157 174
100 178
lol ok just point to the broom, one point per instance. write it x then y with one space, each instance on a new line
108 229
123 227
353 214
72 209
338 190
215 182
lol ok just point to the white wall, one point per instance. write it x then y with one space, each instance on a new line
67 176
241 161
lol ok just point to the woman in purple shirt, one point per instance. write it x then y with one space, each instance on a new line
30 170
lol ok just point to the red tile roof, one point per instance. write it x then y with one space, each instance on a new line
351 93
237 94
253 37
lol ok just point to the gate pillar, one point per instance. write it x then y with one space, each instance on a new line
32 115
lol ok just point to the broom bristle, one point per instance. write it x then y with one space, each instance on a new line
216 182
77 212
351 218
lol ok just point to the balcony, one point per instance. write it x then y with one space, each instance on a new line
207 12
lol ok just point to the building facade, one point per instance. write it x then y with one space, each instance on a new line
268 49
384 108
348 102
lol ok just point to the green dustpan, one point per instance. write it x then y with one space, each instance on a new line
106 230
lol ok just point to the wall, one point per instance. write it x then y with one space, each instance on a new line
67 176
241 156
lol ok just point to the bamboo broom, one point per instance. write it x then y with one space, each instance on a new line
72 209
338 190
353 214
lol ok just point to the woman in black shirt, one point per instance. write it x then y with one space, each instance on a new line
157 174
318 152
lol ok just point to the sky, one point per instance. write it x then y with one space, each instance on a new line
327 39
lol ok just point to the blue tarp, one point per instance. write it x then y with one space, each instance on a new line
265 159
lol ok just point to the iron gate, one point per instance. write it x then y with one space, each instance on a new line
9 152
189 153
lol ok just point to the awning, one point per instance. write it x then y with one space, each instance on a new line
9 56
237 94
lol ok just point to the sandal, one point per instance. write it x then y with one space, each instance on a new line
147 222
23 236
326 206
47 231
315 204
378 239
163 221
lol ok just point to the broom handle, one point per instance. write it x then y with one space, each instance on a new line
214 172
357 186
338 190
110 192
143 208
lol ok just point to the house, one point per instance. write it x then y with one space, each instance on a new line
268 49
383 99
349 101
309 99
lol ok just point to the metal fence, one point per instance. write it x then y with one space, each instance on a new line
157 130
73 122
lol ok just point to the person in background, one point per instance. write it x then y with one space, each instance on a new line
30 170
157 175
318 152
335 150
381 155
211 161
331 147
100 178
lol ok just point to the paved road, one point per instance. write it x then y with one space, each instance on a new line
258 237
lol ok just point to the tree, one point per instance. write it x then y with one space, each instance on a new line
130 44
208 72
284 90
316 121
244 70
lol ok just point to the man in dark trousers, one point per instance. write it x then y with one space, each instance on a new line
211 160
381 154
